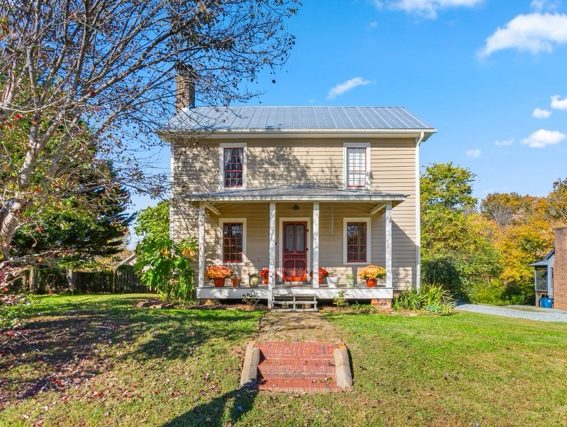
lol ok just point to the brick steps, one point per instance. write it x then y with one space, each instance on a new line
297 367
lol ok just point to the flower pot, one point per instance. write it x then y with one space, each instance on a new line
332 281
219 283
236 282
265 280
371 283
350 281
254 281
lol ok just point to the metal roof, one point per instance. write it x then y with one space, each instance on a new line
546 261
297 193
266 119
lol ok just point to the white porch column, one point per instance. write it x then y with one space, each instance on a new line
272 238
201 220
389 270
315 244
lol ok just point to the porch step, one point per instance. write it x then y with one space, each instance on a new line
294 302
297 367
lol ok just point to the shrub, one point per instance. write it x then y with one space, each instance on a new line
431 297
364 308
498 293
490 292
339 300
164 266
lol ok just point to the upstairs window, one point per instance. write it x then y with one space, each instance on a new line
357 165
233 167
232 242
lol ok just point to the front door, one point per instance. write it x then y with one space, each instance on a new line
294 251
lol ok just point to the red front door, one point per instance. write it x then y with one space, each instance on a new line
294 251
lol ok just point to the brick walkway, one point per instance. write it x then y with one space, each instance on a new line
297 353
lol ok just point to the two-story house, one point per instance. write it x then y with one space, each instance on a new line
293 189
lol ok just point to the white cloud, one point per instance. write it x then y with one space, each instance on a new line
425 8
504 142
533 32
543 5
558 103
372 24
474 153
344 87
540 113
542 138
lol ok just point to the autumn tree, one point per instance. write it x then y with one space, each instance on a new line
107 68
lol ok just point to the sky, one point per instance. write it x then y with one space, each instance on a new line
490 75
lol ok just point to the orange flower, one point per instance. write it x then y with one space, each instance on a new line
218 272
372 272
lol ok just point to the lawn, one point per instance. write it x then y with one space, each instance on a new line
99 360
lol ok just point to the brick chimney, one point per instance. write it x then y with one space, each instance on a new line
560 269
185 87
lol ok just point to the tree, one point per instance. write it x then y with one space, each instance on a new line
505 208
557 199
448 186
72 236
456 241
110 66
164 266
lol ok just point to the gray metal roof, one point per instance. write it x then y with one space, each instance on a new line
546 261
297 193
296 119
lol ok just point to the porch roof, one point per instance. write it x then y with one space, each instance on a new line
298 193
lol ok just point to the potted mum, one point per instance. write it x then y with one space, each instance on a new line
219 273
254 280
265 274
322 275
371 273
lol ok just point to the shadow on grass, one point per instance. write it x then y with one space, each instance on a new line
62 345
213 413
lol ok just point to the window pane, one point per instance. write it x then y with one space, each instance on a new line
289 238
233 167
356 241
232 242
299 238
356 167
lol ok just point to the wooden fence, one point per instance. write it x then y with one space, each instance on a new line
123 280
46 280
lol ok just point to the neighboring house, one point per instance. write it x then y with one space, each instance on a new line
292 189
551 272
543 277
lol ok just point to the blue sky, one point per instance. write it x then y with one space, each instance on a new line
477 70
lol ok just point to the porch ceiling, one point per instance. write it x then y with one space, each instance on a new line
297 194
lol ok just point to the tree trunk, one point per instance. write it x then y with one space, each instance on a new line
8 227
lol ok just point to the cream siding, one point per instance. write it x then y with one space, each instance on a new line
305 161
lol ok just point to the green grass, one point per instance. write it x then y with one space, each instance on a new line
121 365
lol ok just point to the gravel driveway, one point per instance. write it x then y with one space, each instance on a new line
543 315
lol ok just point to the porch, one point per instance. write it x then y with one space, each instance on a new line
281 231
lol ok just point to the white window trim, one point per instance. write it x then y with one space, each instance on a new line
347 145
368 222
280 241
224 145
223 221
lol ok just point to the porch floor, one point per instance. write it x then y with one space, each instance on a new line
323 292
